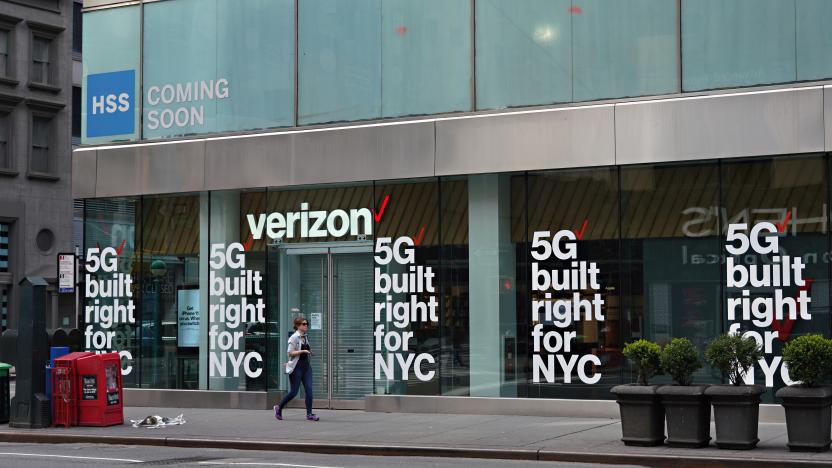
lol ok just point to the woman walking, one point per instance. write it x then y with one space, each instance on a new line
299 369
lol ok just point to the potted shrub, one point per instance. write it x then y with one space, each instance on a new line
642 416
807 403
687 409
736 406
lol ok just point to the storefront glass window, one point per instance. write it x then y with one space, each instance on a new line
370 59
455 299
111 282
670 282
425 57
522 289
169 255
524 52
624 48
729 43
494 285
407 351
239 321
111 63
339 60
791 194
814 39
229 65
574 323
217 65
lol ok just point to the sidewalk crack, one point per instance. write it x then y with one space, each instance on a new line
570 433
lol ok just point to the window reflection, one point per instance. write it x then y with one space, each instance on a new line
169 254
791 192
671 267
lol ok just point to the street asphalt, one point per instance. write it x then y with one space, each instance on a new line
418 435
97 455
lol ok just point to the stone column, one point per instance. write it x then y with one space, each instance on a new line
492 265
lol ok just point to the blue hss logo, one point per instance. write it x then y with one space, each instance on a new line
110 103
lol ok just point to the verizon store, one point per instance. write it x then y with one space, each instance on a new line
439 244
519 284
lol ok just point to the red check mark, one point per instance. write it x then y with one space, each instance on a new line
120 247
783 330
782 226
248 243
418 240
380 213
580 234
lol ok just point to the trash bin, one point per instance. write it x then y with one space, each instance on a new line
5 393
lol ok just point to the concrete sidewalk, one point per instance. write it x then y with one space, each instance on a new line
474 436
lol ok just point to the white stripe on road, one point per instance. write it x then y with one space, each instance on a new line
70 456
265 464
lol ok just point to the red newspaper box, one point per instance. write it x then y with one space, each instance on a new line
65 389
100 400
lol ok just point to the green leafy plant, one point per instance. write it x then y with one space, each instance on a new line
680 359
646 357
809 358
733 355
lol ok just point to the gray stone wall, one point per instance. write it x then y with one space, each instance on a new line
33 202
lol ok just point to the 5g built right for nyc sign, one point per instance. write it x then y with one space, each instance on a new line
579 276
760 284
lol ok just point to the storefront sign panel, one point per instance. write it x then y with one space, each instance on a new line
770 295
66 273
564 297
404 286
236 300
187 318
109 302
111 103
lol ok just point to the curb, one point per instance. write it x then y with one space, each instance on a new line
675 461
672 461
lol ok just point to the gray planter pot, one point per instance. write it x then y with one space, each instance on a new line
736 414
642 415
807 417
688 414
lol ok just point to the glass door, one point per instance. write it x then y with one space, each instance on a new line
352 316
332 287
314 293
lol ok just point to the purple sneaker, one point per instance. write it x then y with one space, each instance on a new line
312 417
278 413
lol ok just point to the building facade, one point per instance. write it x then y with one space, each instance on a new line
474 198
35 151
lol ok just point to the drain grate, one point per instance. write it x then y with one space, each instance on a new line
177 461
